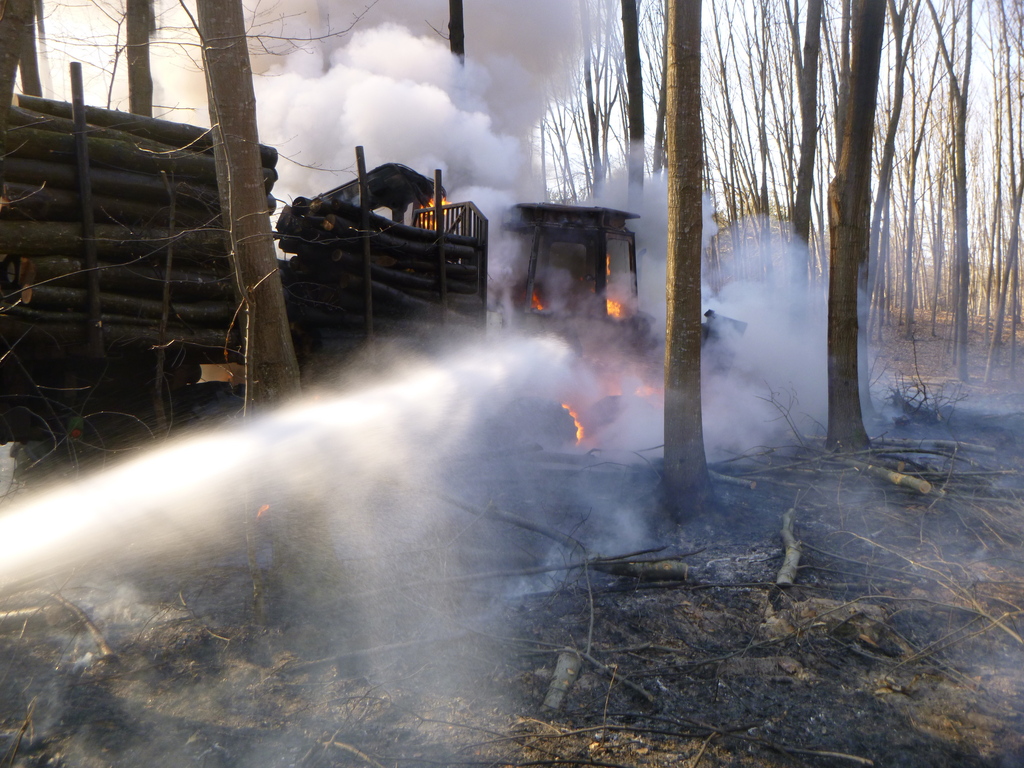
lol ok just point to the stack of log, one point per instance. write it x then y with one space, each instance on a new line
159 245
324 278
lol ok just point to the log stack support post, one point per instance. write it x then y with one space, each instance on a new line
442 276
364 209
94 335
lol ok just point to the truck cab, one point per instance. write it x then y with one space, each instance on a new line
578 260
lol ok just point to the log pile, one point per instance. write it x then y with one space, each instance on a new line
324 278
156 216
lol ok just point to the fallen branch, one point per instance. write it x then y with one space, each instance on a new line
352 750
730 480
896 478
954 445
567 669
614 674
97 636
791 562
650 570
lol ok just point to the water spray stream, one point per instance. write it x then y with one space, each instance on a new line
345 451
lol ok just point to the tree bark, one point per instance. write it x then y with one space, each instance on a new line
139 24
593 125
457 29
849 209
660 150
686 484
272 373
958 91
305 574
635 99
28 61
17 14
808 87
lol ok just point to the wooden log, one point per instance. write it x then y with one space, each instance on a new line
121 184
141 277
31 202
896 478
68 328
466 304
467 272
645 570
155 129
25 118
30 238
567 669
950 445
791 561
320 258
398 278
349 239
742 482
345 212
316 317
206 313
34 144
388 295
347 215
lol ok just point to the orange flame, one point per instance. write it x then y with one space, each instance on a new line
614 308
536 303
576 421
261 510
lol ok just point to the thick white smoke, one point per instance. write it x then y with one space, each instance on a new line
775 369
392 86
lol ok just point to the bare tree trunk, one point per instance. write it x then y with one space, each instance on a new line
660 150
457 29
687 488
959 87
849 208
304 574
272 372
593 126
911 244
17 15
635 99
1003 287
139 23
808 89
28 62
903 40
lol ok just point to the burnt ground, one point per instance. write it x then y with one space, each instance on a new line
900 644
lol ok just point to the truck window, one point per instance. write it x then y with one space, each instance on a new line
620 300
563 277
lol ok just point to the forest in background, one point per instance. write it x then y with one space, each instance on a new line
949 151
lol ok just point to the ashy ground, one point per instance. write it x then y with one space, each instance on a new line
899 644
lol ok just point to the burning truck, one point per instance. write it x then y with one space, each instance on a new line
408 262
104 337
427 263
